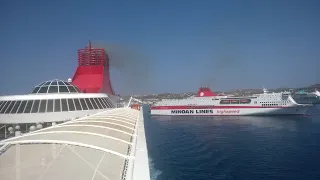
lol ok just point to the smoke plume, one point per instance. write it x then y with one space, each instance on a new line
132 67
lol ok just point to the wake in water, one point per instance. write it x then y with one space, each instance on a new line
154 173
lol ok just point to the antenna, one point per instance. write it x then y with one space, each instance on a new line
90 47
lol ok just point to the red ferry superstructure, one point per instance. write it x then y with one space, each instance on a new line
208 103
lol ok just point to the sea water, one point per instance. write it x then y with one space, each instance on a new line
239 148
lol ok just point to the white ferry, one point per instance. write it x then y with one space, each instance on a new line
208 103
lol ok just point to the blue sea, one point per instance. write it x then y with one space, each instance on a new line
237 148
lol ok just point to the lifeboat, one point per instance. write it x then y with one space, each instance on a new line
135 106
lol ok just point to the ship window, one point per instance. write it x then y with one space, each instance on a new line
36 90
89 103
234 101
225 102
83 104
77 104
50 105
98 103
41 84
43 89
108 102
245 101
94 103
71 105
15 107
63 89
47 83
28 106
102 103
61 83
3 104
43 105
57 107
54 83
72 89
64 105
35 106
53 89
10 107
5 107
22 106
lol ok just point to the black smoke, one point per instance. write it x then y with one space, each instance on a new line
132 65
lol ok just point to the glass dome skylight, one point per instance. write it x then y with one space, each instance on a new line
55 86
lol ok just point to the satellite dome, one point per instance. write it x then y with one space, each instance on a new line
55 86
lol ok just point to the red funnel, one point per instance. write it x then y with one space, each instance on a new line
92 74
204 92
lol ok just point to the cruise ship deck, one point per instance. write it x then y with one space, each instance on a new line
108 145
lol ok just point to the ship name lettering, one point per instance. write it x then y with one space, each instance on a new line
189 111
204 111
182 111
228 111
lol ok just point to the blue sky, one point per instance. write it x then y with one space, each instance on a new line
183 44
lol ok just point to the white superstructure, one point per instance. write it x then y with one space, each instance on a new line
50 102
207 103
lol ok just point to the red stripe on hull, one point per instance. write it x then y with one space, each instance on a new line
231 115
210 107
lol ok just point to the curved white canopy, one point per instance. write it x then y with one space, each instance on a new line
98 145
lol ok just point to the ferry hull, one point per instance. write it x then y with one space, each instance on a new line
231 112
